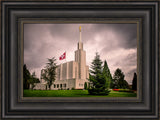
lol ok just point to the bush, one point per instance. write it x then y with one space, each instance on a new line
95 91
73 88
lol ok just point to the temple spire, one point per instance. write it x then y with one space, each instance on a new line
80 44
79 33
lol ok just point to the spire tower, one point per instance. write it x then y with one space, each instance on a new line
80 57
80 44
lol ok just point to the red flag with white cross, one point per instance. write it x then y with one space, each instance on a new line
63 56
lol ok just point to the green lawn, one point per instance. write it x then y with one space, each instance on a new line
72 93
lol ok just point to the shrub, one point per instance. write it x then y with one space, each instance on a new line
95 91
73 88
115 89
85 86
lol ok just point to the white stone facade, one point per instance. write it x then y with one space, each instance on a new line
72 74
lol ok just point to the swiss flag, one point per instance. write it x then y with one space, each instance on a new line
62 56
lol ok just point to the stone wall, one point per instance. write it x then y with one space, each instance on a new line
39 86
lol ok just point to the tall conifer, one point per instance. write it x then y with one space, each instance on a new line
134 82
97 78
106 72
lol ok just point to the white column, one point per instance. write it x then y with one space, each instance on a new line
67 70
80 37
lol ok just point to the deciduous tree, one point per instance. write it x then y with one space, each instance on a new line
49 74
33 79
118 80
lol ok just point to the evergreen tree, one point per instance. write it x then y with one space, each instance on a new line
49 74
118 80
107 73
85 86
134 82
26 77
98 78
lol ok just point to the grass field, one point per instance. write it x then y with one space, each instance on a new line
72 93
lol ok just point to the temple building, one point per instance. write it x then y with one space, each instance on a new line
73 74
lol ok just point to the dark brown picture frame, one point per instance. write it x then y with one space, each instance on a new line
145 106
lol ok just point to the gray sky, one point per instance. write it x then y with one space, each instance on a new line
116 43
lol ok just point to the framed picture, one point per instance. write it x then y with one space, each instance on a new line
76 60
80 60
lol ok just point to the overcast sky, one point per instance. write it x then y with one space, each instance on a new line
116 43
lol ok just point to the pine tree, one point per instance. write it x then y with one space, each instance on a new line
134 82
49 74
107 73
97 78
